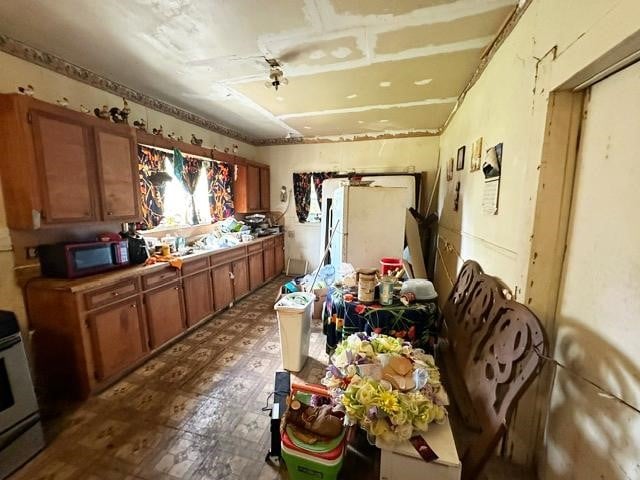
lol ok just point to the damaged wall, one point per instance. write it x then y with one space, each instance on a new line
552 42
393 155
50 86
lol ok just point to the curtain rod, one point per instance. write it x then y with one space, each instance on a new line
204 159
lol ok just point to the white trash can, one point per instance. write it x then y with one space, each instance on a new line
294 323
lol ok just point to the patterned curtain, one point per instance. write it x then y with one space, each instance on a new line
187 170
318 178
220 181
150 168
302 194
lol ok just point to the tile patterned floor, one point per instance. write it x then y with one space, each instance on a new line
193 412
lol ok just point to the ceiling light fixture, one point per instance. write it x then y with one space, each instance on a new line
276 75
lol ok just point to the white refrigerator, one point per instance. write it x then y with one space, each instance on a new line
368 224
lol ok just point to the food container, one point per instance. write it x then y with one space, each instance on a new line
389 264
386 290
366 279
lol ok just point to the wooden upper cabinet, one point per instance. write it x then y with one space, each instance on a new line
65 166
118 172
265 190
117 337
251 188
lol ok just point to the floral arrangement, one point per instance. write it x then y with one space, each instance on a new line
356 382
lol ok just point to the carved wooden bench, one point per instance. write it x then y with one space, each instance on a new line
489 359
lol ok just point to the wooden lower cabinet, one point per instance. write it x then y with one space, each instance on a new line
222 286
256 270
87 335
165 313
279 256
198 296
118 337
240 278
269 262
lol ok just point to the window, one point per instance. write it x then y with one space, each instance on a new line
315 209
178 208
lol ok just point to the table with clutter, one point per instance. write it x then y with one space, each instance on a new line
411 313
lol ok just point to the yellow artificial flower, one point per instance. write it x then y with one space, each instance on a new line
388 401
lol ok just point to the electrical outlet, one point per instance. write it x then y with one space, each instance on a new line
291 234
31 252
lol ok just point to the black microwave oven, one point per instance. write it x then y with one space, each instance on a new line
72 260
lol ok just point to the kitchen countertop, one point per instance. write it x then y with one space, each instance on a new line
108 278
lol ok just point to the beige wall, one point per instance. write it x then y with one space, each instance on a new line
552 42
395 155
50 86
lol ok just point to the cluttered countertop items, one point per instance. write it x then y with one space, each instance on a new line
82 265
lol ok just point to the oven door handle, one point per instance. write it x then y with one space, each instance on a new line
9 342
12 436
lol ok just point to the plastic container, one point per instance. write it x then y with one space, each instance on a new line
389 264
421 287
308 466
294 323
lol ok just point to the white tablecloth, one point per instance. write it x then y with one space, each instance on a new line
402 462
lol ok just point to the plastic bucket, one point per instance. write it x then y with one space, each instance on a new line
294 325
388 264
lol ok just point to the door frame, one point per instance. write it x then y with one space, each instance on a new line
566 105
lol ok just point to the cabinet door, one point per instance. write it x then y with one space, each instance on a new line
222 286
64 153
256 270
117 168
265 189
269 259
279 256
198 296
117 337
240 278
253 188
165 313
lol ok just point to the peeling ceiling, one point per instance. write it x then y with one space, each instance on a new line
355 67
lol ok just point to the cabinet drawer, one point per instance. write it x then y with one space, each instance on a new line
254 247
268 243
195 265
110 294
229 256
157 279
279 241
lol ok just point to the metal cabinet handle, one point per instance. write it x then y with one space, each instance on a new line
133 305
109 213
115 294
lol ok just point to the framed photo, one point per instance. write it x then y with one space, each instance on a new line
460 160
450 170
476 155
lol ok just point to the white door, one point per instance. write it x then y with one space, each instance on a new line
337 219
598 312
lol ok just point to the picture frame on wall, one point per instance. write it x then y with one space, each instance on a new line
460 158
476 155
450 170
